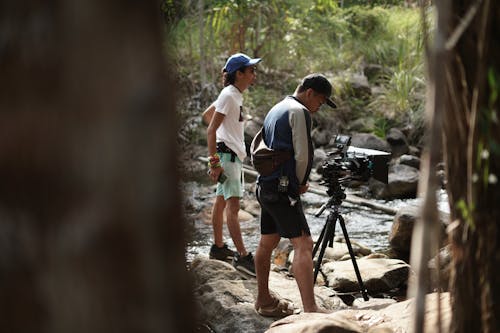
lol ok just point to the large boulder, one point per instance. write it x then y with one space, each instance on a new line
401 232
403 182
378 275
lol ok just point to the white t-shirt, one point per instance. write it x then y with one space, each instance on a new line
231 131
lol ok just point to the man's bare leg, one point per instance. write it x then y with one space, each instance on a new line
232 209
262 259
303 271
218 220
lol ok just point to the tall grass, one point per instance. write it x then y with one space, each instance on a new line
319 36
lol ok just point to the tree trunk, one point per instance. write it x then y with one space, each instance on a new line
91 232
471 142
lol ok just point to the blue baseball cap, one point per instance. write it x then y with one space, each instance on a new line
239 60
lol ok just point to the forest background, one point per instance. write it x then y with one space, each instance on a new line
381 40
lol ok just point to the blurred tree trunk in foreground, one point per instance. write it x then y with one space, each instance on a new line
472 154
91 232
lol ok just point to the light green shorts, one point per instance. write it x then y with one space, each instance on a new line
232 187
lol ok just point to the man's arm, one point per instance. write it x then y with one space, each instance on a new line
217 119
207 115
300 142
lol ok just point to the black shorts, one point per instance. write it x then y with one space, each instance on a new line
278 216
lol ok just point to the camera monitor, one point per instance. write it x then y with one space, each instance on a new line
342 143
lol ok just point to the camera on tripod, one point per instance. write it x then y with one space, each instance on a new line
344 164
347 163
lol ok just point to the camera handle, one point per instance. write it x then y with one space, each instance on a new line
326 238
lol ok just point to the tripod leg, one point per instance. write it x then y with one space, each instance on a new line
353 258
329 229
318 242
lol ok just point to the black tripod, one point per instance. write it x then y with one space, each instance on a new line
337 194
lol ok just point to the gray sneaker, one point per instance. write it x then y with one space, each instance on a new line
221 253
244 264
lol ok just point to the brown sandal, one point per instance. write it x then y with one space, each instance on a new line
280 308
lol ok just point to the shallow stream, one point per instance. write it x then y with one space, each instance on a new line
364 225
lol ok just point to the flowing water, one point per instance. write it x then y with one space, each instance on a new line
364 225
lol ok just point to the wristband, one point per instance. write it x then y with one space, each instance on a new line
214 161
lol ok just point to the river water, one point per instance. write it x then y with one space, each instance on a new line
364 225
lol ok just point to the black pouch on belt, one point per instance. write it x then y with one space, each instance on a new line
222 148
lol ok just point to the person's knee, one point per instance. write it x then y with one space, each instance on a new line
302 243
268 243
233 206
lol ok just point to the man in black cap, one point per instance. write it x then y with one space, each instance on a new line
287 127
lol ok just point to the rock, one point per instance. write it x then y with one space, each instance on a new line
359 85
315 322
373 318
378 275
282 252
402 230
374 71
225 303
369 141
250 206
410 160
226 297
320 137
444 268
319 157
243 216
252 126
340 250
403 182
398 142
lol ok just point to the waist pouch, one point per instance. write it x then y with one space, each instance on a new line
222 148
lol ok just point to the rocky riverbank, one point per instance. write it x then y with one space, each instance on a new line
225 300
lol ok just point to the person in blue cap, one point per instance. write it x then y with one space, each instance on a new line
226 151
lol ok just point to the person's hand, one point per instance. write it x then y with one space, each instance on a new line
214 173
303 188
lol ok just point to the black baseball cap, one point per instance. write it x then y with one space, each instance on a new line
320 84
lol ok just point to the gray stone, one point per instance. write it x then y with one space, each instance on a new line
369 141
373 318
403 182
378 275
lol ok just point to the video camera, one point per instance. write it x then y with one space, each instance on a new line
348 163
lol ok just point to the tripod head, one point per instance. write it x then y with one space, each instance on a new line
335 191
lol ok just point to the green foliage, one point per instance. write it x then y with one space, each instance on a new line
467 212
297 37
487 144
